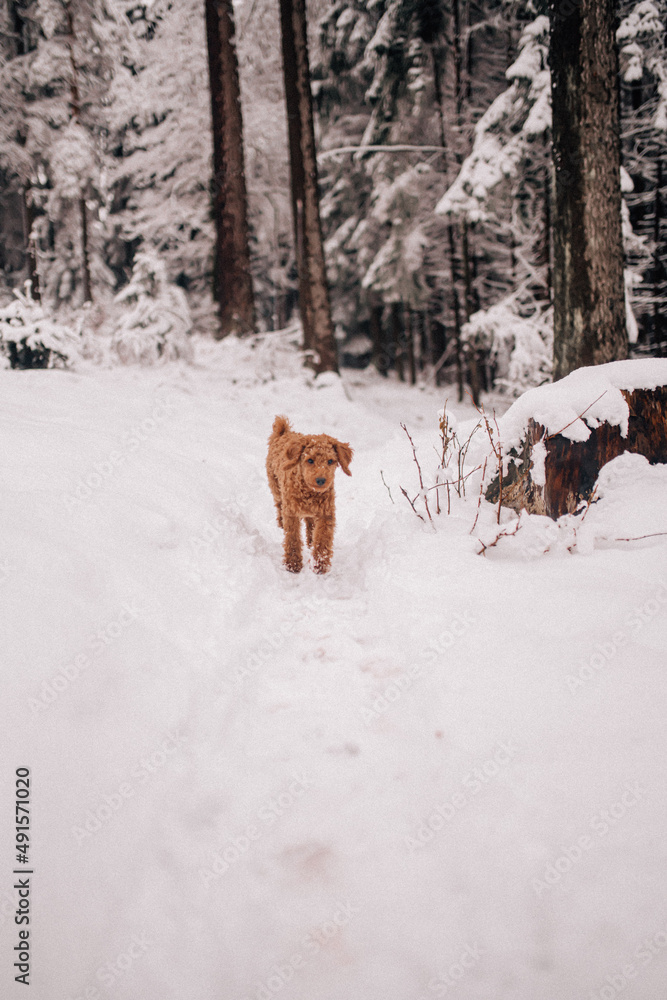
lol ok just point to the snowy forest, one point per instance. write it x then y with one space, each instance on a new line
333 440
432 125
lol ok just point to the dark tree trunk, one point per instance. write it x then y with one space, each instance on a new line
588 288
30 244
657 268
232 279
397 336
297 173
410 338
471 352
380 359
76 116
457 313
85 255
451 238
547 233
316 309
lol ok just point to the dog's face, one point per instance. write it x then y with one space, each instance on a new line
318 458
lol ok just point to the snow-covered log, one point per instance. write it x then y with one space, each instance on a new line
556 438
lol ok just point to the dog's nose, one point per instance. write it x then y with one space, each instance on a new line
321 481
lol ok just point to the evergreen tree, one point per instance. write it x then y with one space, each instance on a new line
160 138
53 86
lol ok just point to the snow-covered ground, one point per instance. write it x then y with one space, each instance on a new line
428 773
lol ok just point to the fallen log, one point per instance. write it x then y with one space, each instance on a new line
556 438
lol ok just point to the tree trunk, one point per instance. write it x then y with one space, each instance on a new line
410 335
75 98
547 233
30 244
316 311
657 219
397 337
297 173
232 278
457 313
571 468
379 349
437 81
589 296
85 255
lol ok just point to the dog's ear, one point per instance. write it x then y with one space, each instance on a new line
293 453
344 453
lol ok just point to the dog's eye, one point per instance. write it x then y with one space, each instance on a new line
310 461
331 461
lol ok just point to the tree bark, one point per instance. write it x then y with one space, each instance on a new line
75 98
297 173
398 338
30 243
657 219
571 468
588 288
313 286
232 278
380 359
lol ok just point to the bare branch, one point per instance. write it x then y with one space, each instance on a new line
412 504
556 433
421 480
386 487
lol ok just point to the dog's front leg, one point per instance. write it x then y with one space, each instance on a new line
323 534
293 557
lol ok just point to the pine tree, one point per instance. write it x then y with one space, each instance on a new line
55 81
502 190
160 138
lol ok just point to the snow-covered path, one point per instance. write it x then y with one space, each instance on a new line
383 783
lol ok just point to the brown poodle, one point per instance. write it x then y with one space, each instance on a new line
301 471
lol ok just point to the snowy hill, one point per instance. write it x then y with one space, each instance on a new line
429 773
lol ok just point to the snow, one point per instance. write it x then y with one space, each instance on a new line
500 146
560 406
427 768
24 322
521 347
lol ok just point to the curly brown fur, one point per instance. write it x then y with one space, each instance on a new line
301 471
